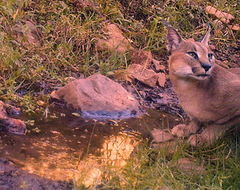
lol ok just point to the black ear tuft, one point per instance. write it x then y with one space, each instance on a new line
173 39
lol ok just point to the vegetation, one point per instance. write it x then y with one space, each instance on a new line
61 44
158 169
65 32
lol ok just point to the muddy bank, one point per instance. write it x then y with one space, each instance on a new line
163 99
12 177
66 148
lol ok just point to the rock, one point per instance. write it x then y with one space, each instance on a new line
12 177
142 74
169 147
161 79
146 76
98 97
189 166
235 27
166 188
145 58
161 135
28 34
141 60
224 17
41 103
158 66
122 75
15 126
142 57
115 40
84 4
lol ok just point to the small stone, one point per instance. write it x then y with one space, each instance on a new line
40 103
189 166
122 75
158 66
115 40
170 147
146 76
161 79
142 57
28 34
76 114
235 27
55 132
12 125
224 17
84 4
161 135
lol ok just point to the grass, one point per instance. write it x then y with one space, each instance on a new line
65 47
67 36
156 169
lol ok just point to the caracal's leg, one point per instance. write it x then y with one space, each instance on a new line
209 135
183 130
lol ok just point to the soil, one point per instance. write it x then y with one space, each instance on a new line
64 146
159 98
12 177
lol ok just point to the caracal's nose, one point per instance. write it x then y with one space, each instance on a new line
206 66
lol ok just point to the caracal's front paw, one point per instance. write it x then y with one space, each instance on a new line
181 130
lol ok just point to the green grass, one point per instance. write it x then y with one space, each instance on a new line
155 169
68 36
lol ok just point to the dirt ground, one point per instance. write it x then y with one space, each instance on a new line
12 177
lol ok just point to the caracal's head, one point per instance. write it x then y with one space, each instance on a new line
189 59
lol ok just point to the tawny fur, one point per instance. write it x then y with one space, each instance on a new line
210 98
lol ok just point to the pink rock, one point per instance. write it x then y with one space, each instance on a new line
142 57
115 40
15 126
161 79
189 166
158 66
146 76
98 97
161 135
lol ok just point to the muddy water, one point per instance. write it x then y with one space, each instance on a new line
68 148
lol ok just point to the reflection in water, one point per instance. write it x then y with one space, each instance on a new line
117 149
69 148
65 164
113 154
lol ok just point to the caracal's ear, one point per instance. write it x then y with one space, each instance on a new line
206 38
173 39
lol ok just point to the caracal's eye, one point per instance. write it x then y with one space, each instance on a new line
210 56
193 54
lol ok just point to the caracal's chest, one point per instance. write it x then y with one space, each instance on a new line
196 102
